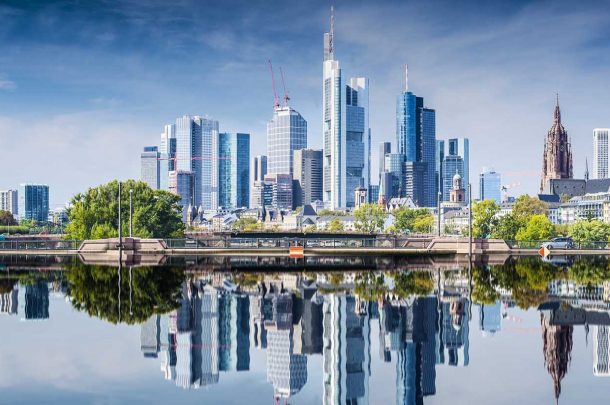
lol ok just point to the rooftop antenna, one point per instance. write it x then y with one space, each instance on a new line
331 45
286 98
406 77
276 99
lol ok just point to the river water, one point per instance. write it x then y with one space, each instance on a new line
524 331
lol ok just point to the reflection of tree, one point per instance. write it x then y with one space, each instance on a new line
557 347
408 283
144 291
589 270
483 291
370 286
6 285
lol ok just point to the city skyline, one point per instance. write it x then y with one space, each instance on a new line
103 101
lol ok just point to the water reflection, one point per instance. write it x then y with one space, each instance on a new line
199 326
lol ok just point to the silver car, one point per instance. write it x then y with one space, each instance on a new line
559 243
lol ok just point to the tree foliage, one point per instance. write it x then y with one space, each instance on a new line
413 219
526 206
506 227
335 225
484 218
370 218
94 214
6 218
538 227
248 224
590 231
407 283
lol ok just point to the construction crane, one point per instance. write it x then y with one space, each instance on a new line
276 99
286 98
505 189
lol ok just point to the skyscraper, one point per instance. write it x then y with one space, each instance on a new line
345 126
490 185
453 156
286 132
307 176
394 163
33 301
416 140
9 201
150 168
181 183
557 157
233 170
600 153
34 202
384 148
196 144
281 190
259 167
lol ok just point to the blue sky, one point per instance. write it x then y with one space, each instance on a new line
85 84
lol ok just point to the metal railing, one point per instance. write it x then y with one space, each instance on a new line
535 244
25 244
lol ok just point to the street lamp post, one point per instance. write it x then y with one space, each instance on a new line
469 220
438 208
130 212
120 224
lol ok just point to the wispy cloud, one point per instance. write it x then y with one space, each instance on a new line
7 84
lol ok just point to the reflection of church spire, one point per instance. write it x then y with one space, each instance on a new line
557 341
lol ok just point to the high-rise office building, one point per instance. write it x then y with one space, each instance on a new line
394 164
414 182
286 132
150 172
452 156
181 183
33 301
9 201
33 202
384 149
345 126
196 146
490 186
416 140
307 176
233 170
259 168
281 190
600 153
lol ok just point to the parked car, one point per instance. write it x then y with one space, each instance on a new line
559 243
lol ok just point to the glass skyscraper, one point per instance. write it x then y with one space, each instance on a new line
286 132
34 202
233 170
346 132
416 140
150 172
452 156
490 185
196 141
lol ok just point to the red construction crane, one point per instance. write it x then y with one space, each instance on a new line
276 99
286 98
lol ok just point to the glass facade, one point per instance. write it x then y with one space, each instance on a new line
490 185
307 176
394 164
9 201
600 153
181 183
150 168
449 150
286 132
233 170
34 202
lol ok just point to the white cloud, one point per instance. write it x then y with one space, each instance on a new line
7 84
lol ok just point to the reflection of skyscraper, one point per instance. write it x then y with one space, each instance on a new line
346 351
150 332
454 333
234 332
557 346
9 301
490 317
601 351
34 301
312 322
285 370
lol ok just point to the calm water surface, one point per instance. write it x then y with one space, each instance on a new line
525 331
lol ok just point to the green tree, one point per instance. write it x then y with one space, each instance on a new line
326 213
423 224
94 214
335 225
526 206
370 286
408 283
506 227
370 218
245 224
484 218
407 219
538 227
310 228
587 231
6 218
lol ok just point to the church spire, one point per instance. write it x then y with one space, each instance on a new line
557 111
586 169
